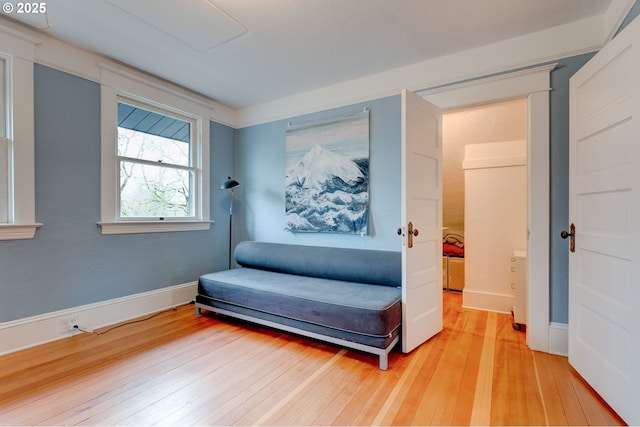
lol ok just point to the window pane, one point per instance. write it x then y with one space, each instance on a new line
150 191
140 145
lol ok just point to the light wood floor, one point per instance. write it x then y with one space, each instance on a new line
178 369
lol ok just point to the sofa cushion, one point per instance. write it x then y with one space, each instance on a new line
350 306
354 265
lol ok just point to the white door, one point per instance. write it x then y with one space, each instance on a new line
604 181
421 221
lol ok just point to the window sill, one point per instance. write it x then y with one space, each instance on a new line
18 231
132 227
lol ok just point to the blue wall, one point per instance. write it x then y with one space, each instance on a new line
69 263
633 13
559 191
261 170
260 163
559 163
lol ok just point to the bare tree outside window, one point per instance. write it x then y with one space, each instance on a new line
156 177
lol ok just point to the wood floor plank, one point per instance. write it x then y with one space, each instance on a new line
401 405
508 378
123 386
233 406
586 395
535 411
301 399
550 390
466 394
438 402
198 383
220 371
78 373
570 403
179 369
376 394
279 392
350 387
196 395
483 404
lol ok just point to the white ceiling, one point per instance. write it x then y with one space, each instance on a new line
248 52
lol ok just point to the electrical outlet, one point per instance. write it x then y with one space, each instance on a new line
68 325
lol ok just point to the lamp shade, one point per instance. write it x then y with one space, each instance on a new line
229 183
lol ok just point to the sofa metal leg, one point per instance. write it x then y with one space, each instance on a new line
384 362
198 311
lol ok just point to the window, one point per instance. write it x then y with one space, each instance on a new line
155 145
155 163
4 150
17 176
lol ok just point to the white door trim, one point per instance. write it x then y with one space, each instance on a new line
534 84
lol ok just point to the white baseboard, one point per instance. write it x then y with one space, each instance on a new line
485 301
559 339
28 332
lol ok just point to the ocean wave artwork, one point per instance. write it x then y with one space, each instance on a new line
327 176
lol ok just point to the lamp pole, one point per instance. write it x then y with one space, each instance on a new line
230 184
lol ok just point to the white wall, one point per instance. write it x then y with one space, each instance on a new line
502 121
495 221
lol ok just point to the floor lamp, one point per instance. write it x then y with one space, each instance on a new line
230 184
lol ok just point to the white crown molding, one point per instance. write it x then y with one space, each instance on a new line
526 51
53 53
615 15
22 44
115 70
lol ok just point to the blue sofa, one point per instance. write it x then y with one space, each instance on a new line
348 297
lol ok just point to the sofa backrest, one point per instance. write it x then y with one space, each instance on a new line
355 265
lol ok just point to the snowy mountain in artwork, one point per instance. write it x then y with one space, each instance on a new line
327 192
320 165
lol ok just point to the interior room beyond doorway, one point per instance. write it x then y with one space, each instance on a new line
484 200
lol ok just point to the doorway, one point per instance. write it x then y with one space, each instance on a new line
484 188
534 85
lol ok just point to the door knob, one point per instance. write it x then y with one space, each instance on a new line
571 234
412 232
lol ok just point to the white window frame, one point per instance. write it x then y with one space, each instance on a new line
5 201
116 84
18 52
191 167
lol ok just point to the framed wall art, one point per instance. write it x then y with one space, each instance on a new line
327 175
